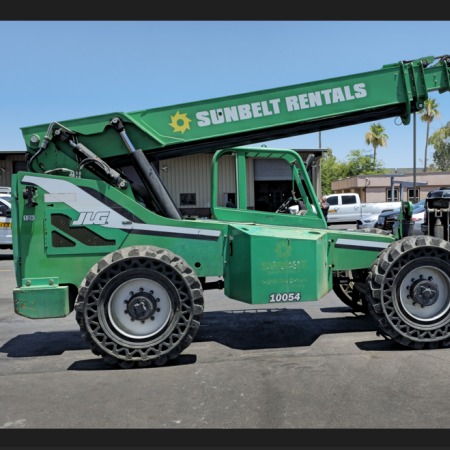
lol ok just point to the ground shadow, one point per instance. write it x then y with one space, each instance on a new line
250 329
274 328
43 343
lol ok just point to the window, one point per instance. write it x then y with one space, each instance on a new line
389 196
188 199
349 200
230 200
413 198
333 200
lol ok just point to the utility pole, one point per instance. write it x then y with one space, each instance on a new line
414 159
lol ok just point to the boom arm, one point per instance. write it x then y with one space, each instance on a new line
394 90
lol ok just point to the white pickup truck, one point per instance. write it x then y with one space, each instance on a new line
348 208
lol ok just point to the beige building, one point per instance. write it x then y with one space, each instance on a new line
399 185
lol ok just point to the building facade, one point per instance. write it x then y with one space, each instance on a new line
11 162
187 178
392 187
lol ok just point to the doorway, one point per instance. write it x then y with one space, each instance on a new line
269 195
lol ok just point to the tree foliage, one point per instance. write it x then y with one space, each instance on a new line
427 115
331 169
376 137
358 162
440 140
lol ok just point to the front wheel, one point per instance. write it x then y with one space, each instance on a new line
139 306
409 295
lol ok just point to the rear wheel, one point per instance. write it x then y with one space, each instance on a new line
409 292
139 306
350 286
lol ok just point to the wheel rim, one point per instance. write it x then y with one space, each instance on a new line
139 308
345 288
423 295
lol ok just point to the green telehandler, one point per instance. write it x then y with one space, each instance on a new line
97 232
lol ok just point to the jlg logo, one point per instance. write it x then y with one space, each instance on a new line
92 218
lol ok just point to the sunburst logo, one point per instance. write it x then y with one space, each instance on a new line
180 123
282 250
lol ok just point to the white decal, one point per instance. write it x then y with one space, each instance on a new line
92 218
238 112
326 96
285 297
90 208
292 103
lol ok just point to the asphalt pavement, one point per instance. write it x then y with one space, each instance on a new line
288 369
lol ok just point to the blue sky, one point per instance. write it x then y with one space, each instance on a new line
59 70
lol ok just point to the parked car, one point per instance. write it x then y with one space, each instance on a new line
372 220
5 222
387 218
418 218
367 221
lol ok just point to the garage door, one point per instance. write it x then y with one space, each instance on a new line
272 170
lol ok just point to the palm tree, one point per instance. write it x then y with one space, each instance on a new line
428 114
376 137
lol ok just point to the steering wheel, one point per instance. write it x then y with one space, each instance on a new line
283 208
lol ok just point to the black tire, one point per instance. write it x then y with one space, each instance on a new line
409 287
350 287
139 306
